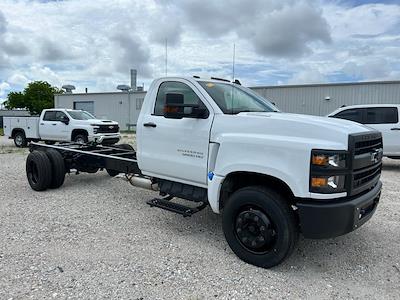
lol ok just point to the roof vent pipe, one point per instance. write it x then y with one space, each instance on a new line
133 79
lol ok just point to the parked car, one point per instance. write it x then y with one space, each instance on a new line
61 125
382 117
216 143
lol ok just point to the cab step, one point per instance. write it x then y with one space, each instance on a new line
183 210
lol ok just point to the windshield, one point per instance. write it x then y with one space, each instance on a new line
80 115
233 99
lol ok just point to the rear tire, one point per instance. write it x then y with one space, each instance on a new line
38 170
114 173
49 142
20 139
57 168
259 226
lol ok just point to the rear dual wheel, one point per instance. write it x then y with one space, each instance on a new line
45 169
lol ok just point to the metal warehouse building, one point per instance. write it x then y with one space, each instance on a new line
321 99
313 99
123 107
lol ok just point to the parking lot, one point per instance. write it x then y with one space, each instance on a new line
95 237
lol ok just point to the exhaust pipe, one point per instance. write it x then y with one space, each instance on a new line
141 182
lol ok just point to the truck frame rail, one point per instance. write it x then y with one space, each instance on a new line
91 156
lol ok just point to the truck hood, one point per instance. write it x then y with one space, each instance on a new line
320 131
97 122
102 122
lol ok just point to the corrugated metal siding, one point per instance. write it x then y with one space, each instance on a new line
113 106
311 99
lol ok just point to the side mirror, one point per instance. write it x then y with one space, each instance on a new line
176 109
65 120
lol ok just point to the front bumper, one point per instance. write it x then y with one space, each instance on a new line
105 138
338 216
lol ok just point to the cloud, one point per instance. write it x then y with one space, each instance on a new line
3 23
53 51
166 28
130 53
274 28
288 32
94 43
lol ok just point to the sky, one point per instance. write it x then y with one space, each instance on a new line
93 44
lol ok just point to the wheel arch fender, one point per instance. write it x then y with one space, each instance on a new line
16 130
252 175
77 131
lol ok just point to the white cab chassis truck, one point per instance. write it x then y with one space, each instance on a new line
271 175
61 125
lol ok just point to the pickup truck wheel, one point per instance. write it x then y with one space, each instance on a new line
259 226
38 170
57 168
114 173
81 139
49 142
20 139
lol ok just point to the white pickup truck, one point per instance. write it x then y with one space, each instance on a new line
61 125
271 175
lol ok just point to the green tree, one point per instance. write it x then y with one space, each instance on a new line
38 95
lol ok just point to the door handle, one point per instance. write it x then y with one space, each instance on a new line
395 128
54 124
41 123
150 124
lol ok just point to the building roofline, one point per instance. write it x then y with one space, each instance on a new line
100 93
326 84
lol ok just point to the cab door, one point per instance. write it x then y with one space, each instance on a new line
176 149
52 128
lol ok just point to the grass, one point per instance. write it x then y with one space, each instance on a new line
128 131
1 131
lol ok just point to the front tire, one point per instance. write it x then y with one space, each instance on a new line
259 226
38 170
81 139
20 139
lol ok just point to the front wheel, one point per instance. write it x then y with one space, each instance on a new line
81 139
259 226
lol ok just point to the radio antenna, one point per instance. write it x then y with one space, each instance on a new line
166 57
233 62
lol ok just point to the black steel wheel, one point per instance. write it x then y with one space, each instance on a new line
255 230
57 168
20 139
259 226
38 170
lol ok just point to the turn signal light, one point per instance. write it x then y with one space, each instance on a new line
319 181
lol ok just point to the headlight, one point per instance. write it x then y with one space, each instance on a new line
328 160
328 171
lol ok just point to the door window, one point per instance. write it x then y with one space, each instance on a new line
351 114
60 115
189 96
381 115
50 116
